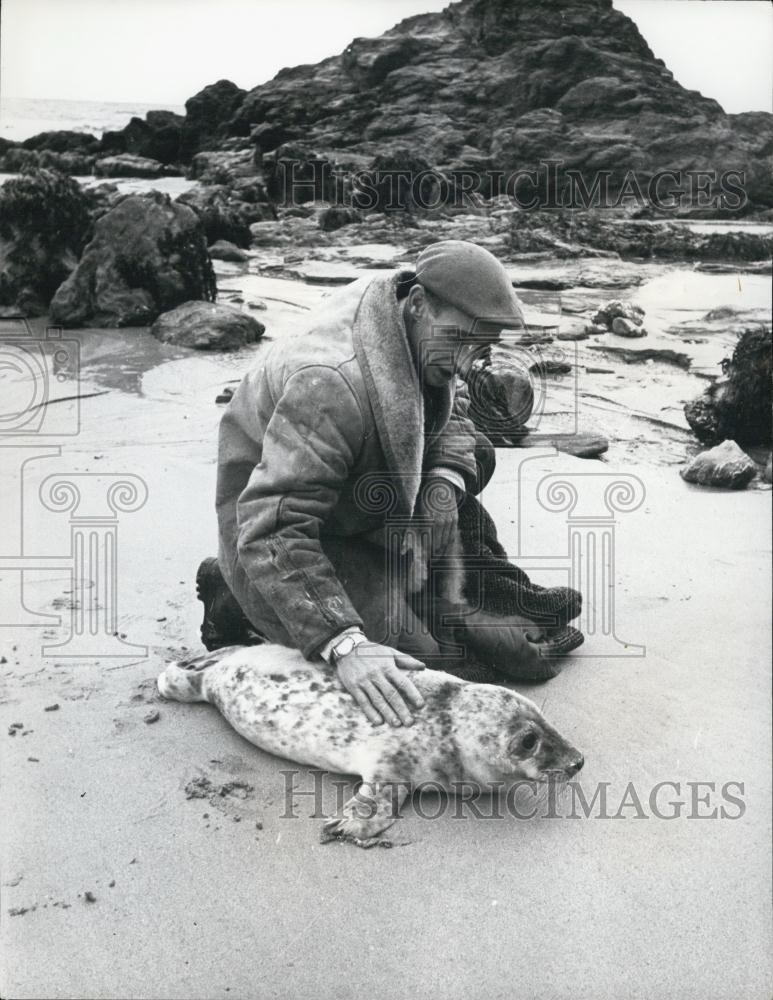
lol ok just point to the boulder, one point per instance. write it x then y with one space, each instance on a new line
738 406
44 224
626 328
336 217
583 444
402 179
726 465
206 326
156 137
207 116
127 165
74 164
223 166
223 250
64 142
296 174
223 213
16 159
616 309
147 255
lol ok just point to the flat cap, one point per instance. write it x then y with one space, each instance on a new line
470 278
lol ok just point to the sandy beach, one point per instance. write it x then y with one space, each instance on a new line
200 883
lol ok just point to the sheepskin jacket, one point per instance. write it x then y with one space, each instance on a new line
328 436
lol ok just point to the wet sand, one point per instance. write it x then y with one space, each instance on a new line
222 895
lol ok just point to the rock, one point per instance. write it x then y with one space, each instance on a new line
566 234
223 250
581 445
492 85
296 174
127 165
738 406
225 396
726 465
207 117
767 475
147 255
205 326
596 329
75 164
102 197
64 142
625 328
634 356
550 366
224 166
222 216
400 179
44 224
157 137
15 160
581 87
616 309
268 135
336 217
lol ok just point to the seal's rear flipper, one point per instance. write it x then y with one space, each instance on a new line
184 680
367 814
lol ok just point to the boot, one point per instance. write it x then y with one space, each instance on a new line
224 624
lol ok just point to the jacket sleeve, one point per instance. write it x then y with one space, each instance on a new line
454 447
309 448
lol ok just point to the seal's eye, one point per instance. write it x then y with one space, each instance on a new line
529 741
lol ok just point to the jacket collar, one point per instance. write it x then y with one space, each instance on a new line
396 396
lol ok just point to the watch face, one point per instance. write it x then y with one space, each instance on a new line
345 646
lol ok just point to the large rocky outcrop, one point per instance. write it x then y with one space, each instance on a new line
503 84
148 255
44 221
484 86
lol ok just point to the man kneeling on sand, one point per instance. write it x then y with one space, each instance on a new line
347 476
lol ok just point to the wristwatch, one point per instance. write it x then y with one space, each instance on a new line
346 645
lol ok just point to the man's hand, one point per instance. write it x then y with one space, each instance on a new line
438 501
373 676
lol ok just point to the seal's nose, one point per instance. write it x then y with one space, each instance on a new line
576 763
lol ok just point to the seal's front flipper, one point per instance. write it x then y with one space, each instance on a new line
371 811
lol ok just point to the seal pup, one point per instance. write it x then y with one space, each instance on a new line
288 706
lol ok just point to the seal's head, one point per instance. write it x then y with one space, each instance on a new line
533 750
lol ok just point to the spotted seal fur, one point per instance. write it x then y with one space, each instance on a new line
299 710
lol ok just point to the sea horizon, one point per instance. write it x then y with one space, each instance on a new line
23 117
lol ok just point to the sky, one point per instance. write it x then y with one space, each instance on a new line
164 51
